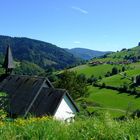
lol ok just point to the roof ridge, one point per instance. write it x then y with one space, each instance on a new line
31 76
61 89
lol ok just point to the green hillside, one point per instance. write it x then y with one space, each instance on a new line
130 55
38 52
124 78
107 99
97 71
28 68
119 79
116 93
127 53
112 101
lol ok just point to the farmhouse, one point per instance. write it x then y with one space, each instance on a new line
34 95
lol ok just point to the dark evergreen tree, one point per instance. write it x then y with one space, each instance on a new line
123 68
138 79
114 70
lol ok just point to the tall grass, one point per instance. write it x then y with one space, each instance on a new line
93 128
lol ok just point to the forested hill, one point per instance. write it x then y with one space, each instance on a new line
86 54
41 53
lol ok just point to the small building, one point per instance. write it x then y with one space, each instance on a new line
34 95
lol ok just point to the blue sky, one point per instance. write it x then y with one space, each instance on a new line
94 24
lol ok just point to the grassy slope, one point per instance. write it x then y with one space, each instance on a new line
120 56
117 103
118 80
113 101
134 52
108 59
97 71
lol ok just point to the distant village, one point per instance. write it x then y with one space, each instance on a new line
125 62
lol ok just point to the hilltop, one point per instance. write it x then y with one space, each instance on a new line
38 52
125 55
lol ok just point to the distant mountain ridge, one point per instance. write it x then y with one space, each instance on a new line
86 54
38 52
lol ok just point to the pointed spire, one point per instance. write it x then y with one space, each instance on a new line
8 62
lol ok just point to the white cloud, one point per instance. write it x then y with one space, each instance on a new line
80 9
77 42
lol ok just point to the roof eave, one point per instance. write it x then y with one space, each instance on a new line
77 109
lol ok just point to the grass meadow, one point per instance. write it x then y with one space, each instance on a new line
97 71
91 128
118 80
112 101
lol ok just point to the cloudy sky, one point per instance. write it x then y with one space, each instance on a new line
94 24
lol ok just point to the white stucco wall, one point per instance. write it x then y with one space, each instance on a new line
65 110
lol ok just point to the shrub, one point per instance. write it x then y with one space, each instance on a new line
123 68
114 70
100 77
136 113
108 74
138 79
103 85
92 80
124 88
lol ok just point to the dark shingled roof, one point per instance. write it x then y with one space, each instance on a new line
33 95
48 101
22 90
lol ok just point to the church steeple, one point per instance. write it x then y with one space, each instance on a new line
8 62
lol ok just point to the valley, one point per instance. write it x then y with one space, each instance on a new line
116 93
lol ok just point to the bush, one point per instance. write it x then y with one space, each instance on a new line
103 85
114 70
138 79
123 88
136 113
100 77
92 80
108 74
123 68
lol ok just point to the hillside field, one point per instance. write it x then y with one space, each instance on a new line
97 71
119 79
113 101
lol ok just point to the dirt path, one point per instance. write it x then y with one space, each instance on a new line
120 110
